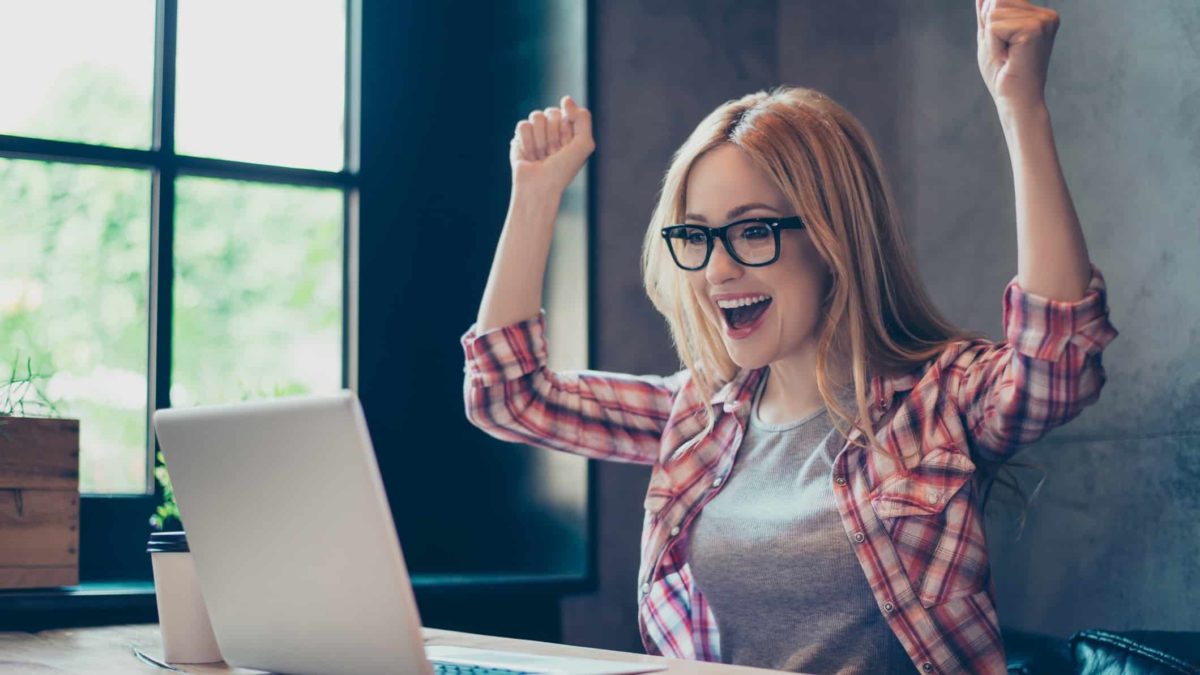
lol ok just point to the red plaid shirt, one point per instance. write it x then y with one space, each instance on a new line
911 515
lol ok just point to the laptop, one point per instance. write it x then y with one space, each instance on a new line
295 549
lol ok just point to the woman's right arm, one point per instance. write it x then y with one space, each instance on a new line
508 391
511 394
546 153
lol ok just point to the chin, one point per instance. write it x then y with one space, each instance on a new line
747 357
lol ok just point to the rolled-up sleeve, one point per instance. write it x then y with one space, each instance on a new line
511 394
1045 372
506 353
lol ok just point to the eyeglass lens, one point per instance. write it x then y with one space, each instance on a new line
752 243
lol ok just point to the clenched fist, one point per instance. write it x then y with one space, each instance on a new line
550 147
1014 39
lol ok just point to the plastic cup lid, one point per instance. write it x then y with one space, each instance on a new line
167 542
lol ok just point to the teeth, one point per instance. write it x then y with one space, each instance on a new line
742 302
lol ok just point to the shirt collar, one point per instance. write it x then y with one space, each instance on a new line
884 387
739 391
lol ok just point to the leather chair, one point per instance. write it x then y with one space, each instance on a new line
1100 652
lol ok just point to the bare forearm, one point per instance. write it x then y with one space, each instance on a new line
514 286
1052 257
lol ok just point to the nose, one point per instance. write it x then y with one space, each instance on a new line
721 268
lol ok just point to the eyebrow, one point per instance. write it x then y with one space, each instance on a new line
735 212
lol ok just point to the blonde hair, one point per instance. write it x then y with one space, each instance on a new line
878 315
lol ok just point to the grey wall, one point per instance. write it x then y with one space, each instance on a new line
1113 539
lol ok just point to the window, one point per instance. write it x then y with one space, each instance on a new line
178 185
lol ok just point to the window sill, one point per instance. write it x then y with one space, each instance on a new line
88 595
88 604
563 584
108 602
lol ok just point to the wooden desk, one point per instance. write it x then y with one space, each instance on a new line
109 651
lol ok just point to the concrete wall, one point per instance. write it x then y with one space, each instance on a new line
1113 539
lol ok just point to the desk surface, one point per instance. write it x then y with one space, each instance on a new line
109 651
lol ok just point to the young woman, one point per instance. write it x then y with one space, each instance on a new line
814 503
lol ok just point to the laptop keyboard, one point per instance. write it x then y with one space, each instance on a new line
460 669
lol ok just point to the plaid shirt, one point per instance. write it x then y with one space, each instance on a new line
911 515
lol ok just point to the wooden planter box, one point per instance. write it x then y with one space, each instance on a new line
39 502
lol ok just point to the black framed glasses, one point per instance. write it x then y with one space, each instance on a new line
753 242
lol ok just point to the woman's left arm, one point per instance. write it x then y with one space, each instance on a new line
1055 310
1014 41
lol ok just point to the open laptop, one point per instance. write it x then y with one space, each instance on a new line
295 549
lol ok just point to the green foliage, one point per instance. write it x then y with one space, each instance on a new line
74 280
168 509
257 287
22 395
94 104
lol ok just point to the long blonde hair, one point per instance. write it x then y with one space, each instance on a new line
824 163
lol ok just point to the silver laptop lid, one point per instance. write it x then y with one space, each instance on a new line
292 536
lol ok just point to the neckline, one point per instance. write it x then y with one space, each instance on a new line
758 423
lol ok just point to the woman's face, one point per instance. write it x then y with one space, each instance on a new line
720 184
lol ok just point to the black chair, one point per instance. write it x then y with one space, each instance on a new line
1100 652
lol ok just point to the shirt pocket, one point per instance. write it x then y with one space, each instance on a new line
924 489
930 516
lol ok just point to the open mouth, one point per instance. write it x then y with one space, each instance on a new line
743 311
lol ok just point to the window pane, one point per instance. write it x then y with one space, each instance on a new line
77 70
73 291
258 291
262 81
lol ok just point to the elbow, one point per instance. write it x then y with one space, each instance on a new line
483 407
1021 415
495 409
1091 379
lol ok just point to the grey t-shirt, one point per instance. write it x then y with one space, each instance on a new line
770 555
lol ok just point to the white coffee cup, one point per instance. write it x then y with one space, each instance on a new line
187 635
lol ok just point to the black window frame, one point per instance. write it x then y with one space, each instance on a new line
114 527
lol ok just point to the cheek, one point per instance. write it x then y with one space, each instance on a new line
700 288
801 306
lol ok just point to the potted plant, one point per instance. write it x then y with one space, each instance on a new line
39 486
168 511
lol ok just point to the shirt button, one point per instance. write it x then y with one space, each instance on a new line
889 607
674 530
645 589
716 482
859 537
933 497
927 667
840 480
